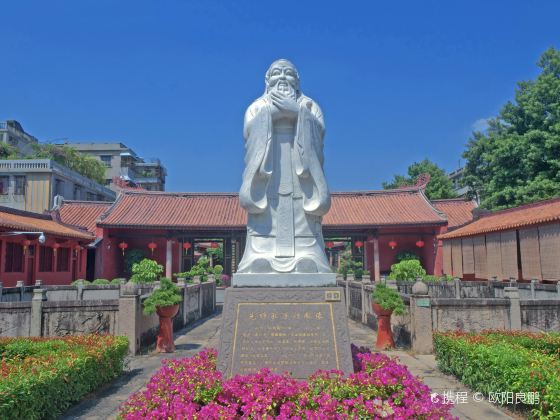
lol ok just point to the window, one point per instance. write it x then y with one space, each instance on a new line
14 258
62 259
45 259
4 185
19 186
58 187
106 160
77 192
90 196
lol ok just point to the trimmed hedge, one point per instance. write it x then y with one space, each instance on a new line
504 361
41 377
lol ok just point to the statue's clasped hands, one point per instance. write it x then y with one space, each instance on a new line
286 105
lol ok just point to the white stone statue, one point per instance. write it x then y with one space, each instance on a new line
284 189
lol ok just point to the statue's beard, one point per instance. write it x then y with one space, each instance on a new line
285 88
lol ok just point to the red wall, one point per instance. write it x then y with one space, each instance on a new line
406 241
111 264
31 273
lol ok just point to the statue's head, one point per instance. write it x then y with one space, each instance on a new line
283 76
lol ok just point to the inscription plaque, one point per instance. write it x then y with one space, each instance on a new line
286 330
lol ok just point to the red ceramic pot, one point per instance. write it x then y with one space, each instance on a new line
384 333
165 337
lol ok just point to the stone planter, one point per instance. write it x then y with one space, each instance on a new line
165 337
384 333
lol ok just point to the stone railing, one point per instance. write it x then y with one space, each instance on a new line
458 306
106 309
483 289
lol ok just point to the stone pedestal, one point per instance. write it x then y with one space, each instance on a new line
296 330
284 280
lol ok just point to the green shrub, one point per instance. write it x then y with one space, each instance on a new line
499 362
118 281
80 281
40 377
407 270
388 299
168 294
546 343
349 265
202 269
146 271
101 281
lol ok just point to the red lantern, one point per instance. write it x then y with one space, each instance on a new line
152 245
123 246
420 243
330 244
187 246
392 244
77 249
359 244
26 243
55 247
214 245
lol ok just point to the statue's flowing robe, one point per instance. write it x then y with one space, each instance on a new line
263 192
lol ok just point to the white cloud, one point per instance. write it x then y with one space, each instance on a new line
480 124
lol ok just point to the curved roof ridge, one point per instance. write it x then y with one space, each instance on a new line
97 203
235 194
521 207
449 200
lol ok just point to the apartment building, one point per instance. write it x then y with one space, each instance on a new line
122 162
12 133
33 184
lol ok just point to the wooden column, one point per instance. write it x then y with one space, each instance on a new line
376 258
169 259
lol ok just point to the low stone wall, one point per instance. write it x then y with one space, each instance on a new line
540 315
15 319
469 315
79 317
60 315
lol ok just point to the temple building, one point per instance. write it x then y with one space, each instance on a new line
40 247
519 244
176 228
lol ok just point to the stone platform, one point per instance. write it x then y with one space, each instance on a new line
284 280
296 330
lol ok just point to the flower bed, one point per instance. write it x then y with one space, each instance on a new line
42 377
494 362
193 388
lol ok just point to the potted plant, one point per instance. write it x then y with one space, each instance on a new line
386 301
165 302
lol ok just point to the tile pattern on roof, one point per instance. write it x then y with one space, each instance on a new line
206 210
25 221
458 211
82 213
527 215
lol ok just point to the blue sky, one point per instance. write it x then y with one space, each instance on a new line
397 81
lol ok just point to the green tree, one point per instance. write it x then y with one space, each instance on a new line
517 159
8 151
440 186
85 165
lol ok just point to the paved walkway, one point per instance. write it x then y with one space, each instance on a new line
104 404
425 367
